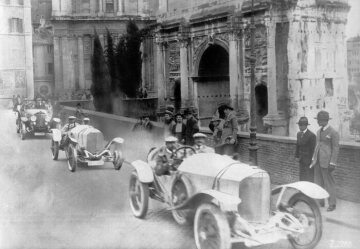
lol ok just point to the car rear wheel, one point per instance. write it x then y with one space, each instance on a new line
180 192
54 149
72 158
307 212
211 228
139 196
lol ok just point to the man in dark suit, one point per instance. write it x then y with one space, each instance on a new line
305 146
191 127
325 157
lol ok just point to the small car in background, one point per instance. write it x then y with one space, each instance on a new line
34 119
228 201
85 145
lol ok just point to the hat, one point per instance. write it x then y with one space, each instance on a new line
303 121
227 107
199 135
169 112
187 111
216 118
71 117
171 139
178 114
323 115
86 119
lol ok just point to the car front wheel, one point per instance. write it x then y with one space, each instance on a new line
139 196
55 149
72 158
211 228
307 212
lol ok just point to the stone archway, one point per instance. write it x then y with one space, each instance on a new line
212 81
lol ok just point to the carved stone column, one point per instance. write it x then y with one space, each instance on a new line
81 62
101 7
65 62
184 40
57 65
273 118
120 8
234 69
159 75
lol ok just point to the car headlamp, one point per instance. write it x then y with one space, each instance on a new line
47 119
33 118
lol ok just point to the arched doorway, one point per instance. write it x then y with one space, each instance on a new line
212 81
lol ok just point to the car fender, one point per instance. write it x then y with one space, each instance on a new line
144 171
56 135
310 189
225 201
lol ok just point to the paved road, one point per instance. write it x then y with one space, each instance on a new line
43 205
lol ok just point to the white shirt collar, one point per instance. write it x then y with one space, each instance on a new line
304 131
325 127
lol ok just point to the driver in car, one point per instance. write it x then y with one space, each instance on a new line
199 146
165 157
71 124
39 104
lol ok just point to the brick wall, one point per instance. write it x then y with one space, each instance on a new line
276 155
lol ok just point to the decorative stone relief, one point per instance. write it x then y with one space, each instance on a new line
174 57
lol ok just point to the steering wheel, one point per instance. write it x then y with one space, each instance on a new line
183 152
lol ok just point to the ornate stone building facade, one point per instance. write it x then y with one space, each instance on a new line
300 58
16 57
74 24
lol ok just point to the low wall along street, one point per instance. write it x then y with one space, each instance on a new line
275 154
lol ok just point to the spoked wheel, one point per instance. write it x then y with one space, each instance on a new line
307 212
118 160
211 228
22 132
54 149
180 192
72 158
139 196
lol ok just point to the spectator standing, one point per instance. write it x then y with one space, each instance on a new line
325 156
79 114
191 127
216 126
168 122
178 130
305 145
228 139
145 93
139 125
147 125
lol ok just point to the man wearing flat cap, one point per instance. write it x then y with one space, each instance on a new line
164 159
305 145
325 156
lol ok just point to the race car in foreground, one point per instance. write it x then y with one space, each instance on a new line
84 144
228 201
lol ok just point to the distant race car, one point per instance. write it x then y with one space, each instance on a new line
228 201
33 119
84 144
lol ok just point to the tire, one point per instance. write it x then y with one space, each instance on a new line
211 228
22 132
139 196
295 202
180 192
72 158
118 160
54 149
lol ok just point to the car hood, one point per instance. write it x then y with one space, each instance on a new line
212 165
34 111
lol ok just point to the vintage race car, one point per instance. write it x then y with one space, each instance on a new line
33 119
229 201
84 144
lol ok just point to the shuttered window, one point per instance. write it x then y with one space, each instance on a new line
15 25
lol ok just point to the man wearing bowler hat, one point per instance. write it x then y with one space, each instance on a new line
325 157
305 145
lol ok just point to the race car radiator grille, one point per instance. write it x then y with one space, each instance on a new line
40 119
254 192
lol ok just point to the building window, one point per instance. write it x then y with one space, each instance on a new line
329 87
21 2
50 68
15 25
109 5
85 6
